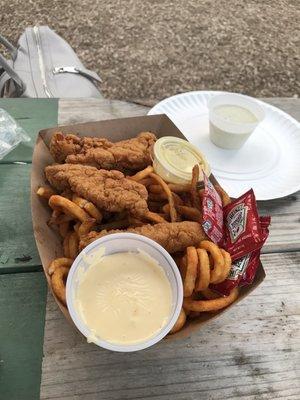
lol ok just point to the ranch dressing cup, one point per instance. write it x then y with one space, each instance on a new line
102 298
174 159
232 119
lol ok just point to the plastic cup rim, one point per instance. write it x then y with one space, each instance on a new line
248 127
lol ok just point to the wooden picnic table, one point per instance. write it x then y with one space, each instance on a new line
250 352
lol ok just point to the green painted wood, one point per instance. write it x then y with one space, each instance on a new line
17 245
22 319
33 115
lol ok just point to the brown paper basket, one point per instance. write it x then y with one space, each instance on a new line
48 241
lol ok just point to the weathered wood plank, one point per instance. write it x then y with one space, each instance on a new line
33 115
22 316
287 104
250 352
72 111
17 245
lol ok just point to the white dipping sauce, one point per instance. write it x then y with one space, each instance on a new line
232 113
124 298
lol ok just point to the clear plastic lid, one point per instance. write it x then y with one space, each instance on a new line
174 159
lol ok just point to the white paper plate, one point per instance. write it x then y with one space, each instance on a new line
269 162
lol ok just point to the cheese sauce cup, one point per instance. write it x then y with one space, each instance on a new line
174 159
232 119
124 285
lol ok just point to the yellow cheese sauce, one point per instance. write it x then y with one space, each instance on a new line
180 157
237 114
124 298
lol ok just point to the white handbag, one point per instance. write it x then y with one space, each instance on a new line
44 65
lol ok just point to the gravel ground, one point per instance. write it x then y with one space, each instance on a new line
152 49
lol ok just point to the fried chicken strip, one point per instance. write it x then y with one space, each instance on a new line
176 236
108 190
131 154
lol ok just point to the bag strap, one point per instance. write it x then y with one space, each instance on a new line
9 46
75 70
20 86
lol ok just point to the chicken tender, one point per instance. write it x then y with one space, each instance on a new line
131 154
174 237
108 190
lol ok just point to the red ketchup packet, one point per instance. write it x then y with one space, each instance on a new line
243 270
249 274
212 210
237 270
242 227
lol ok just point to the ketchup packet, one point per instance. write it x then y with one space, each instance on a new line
212 210
243 270
242 227
238 268
249 274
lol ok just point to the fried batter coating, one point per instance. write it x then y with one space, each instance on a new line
108 190
174 237
131 154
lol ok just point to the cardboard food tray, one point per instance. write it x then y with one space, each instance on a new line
48 241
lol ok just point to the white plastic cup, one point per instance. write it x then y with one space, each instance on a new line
228 134
124 242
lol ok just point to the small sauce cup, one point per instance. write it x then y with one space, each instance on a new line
232 119
118 243
174 159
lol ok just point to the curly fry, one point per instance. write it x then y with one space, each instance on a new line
190 213
66 246
59 218
120 224
182 267
54 216
191 271
179 323
64 228
89 207
157 189
210 305
58 283
161 197
158 179
81 202
69 207
154 217
45 191
73 245
76 226
224 196
59 263
210 294
174 187
142 174
203 270
146 181
177 200
86 227
155 206
226 266
93 211
193 190
135 221
192 314
218 259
